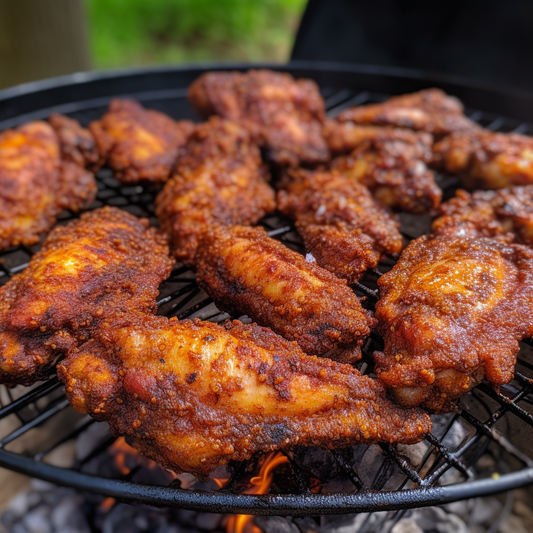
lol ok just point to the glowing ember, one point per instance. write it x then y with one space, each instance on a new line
242 523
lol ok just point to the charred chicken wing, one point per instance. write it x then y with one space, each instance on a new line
36 184
485 159
219 179
430 110
245 271
452 312
138 143
395 170
85 271
506 214
283 114
342 226
194 395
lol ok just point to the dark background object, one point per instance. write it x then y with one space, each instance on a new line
41 39
485 40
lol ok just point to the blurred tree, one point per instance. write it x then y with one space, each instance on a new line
140 32
41 39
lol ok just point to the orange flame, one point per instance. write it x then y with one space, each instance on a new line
242 523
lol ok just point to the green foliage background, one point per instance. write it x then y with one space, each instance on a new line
140 32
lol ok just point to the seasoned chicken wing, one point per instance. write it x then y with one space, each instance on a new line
341 225
36 184
245 271
343 137
431 110
219 179
394 169
77 143
194 395
506 214
452 311
485 159
106 261
138 143
283 114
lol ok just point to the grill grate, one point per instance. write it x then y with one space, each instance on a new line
386 477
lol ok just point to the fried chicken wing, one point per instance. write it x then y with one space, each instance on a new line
395 171
343 137
77 143
431 110
194 395
485 159
36 184
341 225
245 271
105 261
452 311
219 179
506 214
283 114
138 143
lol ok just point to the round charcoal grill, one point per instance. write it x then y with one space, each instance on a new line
386 477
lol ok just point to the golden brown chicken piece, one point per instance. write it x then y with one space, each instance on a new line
77 143
106 261
451 312
195 395
506 214
283 114
36 185
485 159
138 143
341 225
431 110
395 171
245 271
343 137
220 179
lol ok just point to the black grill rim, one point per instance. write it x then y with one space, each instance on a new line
85 90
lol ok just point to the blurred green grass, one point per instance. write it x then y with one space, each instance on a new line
126 33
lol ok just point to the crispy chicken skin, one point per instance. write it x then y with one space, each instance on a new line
342 226
138 143
395 171
485 159
431 110
343 137
105 261
506 214
452 311
77 143
245 271
36 185
283 114
195 395
220 179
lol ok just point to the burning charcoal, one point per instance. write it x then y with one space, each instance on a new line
38 520
406 525
68 517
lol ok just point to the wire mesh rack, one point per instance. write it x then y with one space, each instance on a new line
34 422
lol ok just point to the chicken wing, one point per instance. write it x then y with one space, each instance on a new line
341 225
35 184
194 395
245 271
343 137
395 171
431 110
219 179
138 143
506 214
452 312
485 159
283 114
105 261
